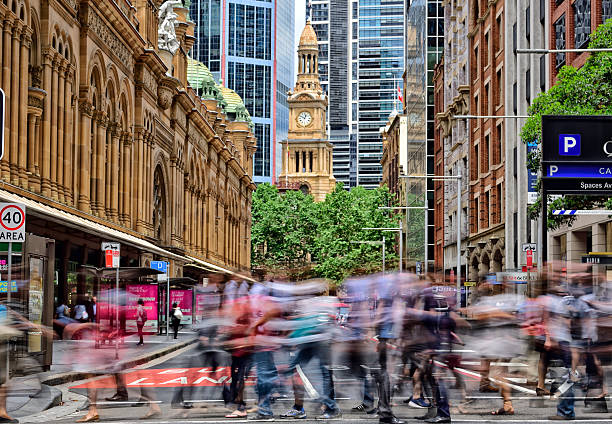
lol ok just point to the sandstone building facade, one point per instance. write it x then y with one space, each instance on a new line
105 139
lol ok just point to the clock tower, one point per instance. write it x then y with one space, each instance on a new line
307 153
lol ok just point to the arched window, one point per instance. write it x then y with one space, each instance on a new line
159 205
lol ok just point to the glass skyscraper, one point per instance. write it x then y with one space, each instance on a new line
361 61
241 43
424 48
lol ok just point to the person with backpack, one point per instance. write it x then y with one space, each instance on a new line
141 318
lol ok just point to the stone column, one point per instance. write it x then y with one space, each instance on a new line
45 162
93 171
114 204
85 144
68 135
53 140
100 158
127 178
186 218
59 158
108 162
23 110
138 155
14 105
6 84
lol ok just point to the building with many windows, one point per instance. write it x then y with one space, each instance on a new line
361 63
424 46
245 49
107 140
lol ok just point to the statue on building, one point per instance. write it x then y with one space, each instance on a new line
166 34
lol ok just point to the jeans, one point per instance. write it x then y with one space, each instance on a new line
139 326
356 359
439 389
383 383
266 380
241 365
305 354
565 407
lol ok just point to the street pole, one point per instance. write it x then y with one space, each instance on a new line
168 302
459 243
8 305
117 313
401 245
383 252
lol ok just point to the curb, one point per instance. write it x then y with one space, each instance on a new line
69 377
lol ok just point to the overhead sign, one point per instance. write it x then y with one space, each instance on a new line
2 113
160 266
529 246
577 154
12 222
597 259
112 254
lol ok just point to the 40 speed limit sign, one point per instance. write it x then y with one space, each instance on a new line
12 222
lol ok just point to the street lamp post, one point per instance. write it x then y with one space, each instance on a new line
443 178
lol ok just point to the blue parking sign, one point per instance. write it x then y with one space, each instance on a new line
160 266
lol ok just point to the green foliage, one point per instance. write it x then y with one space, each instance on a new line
290 230
583 91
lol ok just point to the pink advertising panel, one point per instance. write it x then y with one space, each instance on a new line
148 293
184 299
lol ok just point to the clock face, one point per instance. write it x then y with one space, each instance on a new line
304 119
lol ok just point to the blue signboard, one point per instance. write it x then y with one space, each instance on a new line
160 266
532 177
579 170
3 286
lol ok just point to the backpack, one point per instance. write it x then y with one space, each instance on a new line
143 315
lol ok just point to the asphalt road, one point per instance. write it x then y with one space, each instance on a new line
162 379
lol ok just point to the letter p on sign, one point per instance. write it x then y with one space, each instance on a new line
569 144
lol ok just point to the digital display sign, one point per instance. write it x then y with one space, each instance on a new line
577 154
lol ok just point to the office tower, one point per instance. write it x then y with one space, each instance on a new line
361 63
424 48
248 46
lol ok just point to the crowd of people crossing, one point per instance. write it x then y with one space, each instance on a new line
405 340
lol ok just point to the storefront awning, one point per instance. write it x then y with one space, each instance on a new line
215 268
67 219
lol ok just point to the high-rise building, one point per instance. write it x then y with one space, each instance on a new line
361 63
245 49
424 48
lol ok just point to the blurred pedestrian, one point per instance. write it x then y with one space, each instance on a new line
176 315
141 319
80 310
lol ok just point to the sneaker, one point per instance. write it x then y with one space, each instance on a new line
362 407
298 414
330 414
419 403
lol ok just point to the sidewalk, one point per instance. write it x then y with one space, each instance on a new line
20 402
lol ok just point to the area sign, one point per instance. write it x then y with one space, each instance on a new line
12 222
577 154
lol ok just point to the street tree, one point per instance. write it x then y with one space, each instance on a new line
583 91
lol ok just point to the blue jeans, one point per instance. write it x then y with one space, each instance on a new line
266 380
565 407
305 354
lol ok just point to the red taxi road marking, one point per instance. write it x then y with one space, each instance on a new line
168 378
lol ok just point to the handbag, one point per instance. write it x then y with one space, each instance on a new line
178 314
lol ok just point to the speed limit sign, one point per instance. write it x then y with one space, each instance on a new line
12 222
